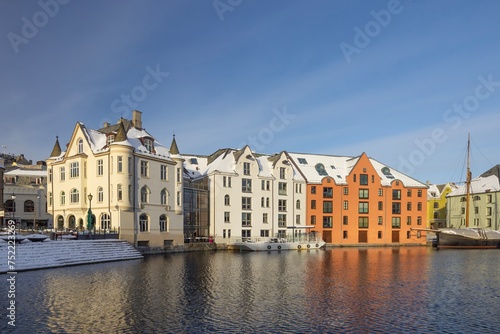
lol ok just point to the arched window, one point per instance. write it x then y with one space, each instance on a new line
71 222
100 194
477 198
144 194
262 202
164 223
226 200
297 204
60 222
436 205
74 196
29 206
164 197
63 198
143 223
105 222
463 199
320 168
80 146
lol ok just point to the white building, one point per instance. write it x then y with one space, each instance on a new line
251 195
130 182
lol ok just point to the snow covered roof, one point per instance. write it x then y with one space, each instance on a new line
315 167
479 185
26 172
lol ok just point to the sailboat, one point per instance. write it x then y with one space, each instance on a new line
468 237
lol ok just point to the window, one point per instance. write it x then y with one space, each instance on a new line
345 220
436 205
396 222
363 193
130 166
62 173
313 204
345 205
74 196
344 234
363 207
105 221
396 208
282 205
100 195
163 197
408 220
313 220
178 175
244 233
488 198
74 169
320 168
265 218
227 217
50 175
226 181
246 168
119 163
246 185
419 193
408 206
396 194
263 202
380 192
246 219
110 139
298 188
379 234
297 219
302 161
380 205
354 178
281 220
119 192
100 167
267 202
282 188
327 207
246 203
297 204
178 198
144 195
143 223
313 189
488 211
363 179
346 191
163 223
419 206
327 192
408 193
29 206
144 168
327 221
264 233
363 222
380 220
148 144
80 146
50 200
282 173
263 184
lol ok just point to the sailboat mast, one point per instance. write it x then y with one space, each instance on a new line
467 184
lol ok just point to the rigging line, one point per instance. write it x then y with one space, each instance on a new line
479 150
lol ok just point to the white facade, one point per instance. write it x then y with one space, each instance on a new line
135 183
251 195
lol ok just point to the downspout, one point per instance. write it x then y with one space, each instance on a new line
134 197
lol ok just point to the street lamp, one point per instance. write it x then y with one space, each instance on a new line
13 196
90 221
34 212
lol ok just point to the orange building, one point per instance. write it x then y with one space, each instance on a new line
358 200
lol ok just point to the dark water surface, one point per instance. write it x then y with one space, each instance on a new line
343 290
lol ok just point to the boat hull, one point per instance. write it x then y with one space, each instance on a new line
468 238
275 246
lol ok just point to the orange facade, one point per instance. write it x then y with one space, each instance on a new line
365 211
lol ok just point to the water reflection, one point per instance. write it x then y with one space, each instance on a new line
340 290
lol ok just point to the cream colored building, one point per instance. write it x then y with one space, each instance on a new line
135 183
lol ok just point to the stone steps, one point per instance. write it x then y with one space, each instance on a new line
49 254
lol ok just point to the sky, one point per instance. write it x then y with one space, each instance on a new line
403 81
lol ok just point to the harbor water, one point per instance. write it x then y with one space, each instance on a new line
340 290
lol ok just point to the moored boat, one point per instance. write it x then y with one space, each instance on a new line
278 244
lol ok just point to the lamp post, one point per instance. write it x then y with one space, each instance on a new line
13 196
34 212
90 221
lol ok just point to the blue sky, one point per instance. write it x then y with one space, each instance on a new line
403 81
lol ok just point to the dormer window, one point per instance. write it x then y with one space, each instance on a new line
111 139
148 144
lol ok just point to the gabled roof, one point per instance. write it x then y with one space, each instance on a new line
479 185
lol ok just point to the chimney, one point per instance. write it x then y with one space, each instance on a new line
105 125
137 119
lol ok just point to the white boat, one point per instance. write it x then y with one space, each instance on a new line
278 244
36 237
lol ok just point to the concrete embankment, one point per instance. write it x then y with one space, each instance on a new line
50 254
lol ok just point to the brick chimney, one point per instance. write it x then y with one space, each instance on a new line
137 119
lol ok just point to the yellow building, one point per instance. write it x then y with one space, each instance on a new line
436 204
